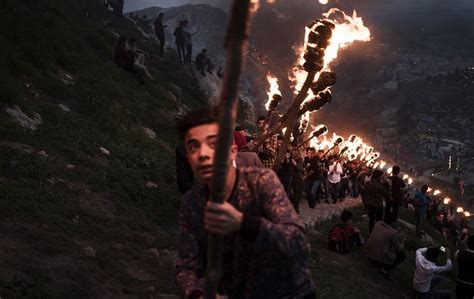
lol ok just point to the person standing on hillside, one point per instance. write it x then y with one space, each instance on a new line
188 40
334 177
421 204
396 186
312 177
375 193
265 248
160 32
180 41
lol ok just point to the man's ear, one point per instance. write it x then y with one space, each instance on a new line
233 152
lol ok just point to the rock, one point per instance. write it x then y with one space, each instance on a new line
64 108
51 180
155 252
89 251
23 120
104 151
150 133
70 166
43 154
151 185
76 219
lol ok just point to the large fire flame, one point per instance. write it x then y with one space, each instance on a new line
348 30
274 89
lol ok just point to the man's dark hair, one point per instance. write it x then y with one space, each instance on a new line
432 254
310 149
196 118
261 118
376 174
346 216
279 137
204 50
395 170
239 128
160 15
424 188
470 242
389 218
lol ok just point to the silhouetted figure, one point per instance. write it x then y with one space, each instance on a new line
117 5
188 40
160 32
120 55
203 63
137 57
179 41
220 72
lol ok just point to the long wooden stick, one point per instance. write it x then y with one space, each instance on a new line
292 117
236 45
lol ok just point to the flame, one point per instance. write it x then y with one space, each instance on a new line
410 181
405 177
459 210
389 171
467 214
382 164
348 30
274 89
376 165
436 192
429 189
446 200
305 117
324 2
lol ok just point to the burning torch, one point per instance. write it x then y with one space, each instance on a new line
338 141
319 132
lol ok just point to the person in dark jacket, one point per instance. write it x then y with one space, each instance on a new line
395 187
465 281
180 41
376 194
160 32
203 63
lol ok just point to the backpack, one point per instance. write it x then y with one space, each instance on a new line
338 239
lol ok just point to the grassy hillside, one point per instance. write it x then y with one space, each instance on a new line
54 206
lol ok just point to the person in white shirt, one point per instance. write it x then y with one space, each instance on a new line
426 278
334 177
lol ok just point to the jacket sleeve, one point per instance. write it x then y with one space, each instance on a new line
187 264
280 227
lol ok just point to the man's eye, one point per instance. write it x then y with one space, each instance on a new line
192 148
212 144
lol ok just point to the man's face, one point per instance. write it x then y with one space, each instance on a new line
279 142
200 144
261 124
310 153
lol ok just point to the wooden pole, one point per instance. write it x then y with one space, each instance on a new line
293 115
236 46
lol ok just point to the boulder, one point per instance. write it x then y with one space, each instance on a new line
18 116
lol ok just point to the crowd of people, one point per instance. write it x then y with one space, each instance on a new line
260 218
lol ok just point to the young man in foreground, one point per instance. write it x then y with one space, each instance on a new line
265 246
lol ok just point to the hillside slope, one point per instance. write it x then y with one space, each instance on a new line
75 220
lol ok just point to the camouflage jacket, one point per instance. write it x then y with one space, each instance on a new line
265 259
376 193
